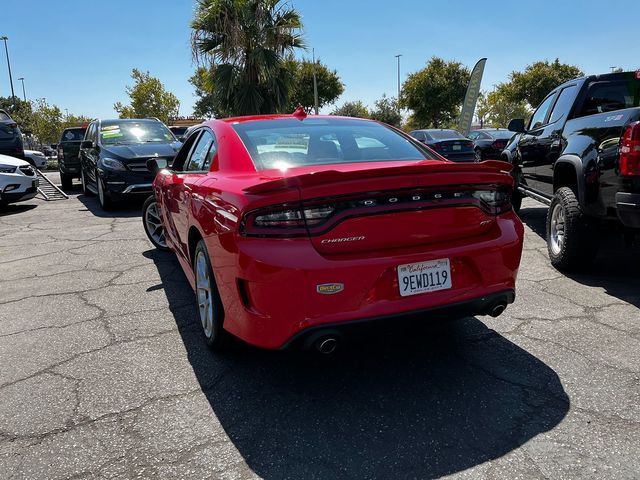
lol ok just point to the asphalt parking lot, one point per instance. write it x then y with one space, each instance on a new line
104 373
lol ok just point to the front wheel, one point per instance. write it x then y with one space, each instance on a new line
152 222
571 239
103 196
210 307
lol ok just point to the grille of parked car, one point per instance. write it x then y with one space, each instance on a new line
138 166
28 171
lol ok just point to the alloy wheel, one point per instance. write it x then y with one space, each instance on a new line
153 224
204 293
557 229
100 190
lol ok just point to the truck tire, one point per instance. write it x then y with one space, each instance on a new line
66 181
571 240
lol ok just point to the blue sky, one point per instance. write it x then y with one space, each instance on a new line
79 54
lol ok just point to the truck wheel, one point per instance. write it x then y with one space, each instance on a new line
66 181
571 242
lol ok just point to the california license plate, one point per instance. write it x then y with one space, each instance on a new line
423 277
34 183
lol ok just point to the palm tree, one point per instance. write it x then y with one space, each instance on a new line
244 42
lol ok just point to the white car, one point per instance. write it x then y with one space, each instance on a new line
38 158
18 181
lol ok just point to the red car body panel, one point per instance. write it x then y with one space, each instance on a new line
268 286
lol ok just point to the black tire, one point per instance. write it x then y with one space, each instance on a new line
216 337
66 181
83 180
516 196
104 199
572 241
152 225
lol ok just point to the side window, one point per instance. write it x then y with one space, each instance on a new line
538 118
564 103
473 135
208 159
198 155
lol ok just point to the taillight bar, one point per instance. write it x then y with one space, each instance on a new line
318 216
629 163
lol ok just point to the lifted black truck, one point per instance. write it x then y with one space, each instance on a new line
580 155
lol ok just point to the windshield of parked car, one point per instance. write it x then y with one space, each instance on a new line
73 134
286 143
443 134
132 132
501 134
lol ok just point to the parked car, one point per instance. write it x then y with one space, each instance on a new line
113 157
290 226
179 132
36 158
451 144
18 181
10 137
488 143
580 155
69 155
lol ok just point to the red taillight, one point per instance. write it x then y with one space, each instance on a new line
280 221
468 144
499 144
630 150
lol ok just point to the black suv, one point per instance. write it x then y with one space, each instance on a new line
10 137
114 154
69 155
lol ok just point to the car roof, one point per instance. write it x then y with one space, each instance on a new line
254 118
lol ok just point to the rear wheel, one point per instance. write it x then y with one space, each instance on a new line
153 226
66 181
516 196
83 180
210 308
571 241
478 154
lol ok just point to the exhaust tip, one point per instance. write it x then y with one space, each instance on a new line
326 345
497 310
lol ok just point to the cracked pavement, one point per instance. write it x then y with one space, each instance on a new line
104 373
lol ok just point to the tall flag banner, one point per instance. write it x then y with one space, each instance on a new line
471 97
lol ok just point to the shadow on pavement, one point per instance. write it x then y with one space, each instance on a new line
616 267
416 403
15 208
131 207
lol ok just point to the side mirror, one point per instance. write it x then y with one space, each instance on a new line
154 165
516 125
86 144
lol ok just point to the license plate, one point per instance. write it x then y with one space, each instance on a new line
34 183
457 147
423 277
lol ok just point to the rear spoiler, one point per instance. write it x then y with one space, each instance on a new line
332 176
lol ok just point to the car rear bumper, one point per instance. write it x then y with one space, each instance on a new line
628 208
271 295
67 167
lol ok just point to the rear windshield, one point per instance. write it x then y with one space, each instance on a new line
73 134
285 143
7 132
502 134
443 134
608 96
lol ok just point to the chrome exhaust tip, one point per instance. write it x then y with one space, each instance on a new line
326 345
497 310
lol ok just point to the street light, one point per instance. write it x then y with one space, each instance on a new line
6 50
24 94
398 99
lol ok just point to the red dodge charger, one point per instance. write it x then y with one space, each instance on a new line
290 226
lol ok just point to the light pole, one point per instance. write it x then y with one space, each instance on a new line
398 99
24 94
6 50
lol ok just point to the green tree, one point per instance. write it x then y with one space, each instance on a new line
148 99
538 79
496 108
386 110
206 104
301 92
245 42
22 113
46 123
352 109
435 93
72 120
